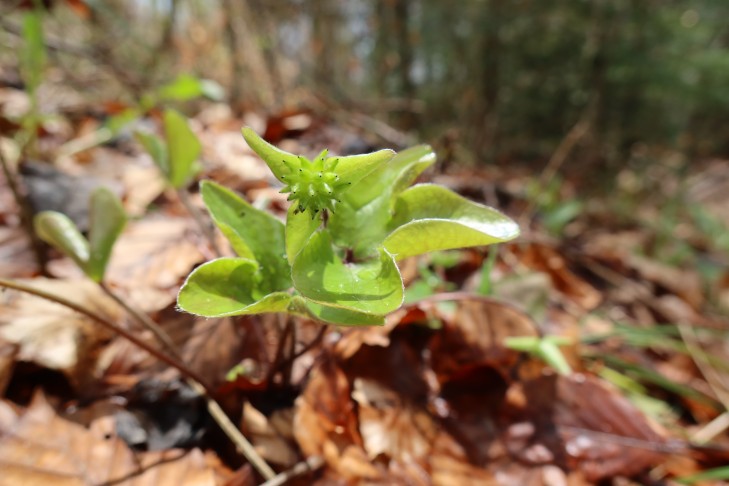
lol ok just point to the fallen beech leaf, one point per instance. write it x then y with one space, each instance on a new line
325 423
55 336
578 422
151 258
43 448
269 436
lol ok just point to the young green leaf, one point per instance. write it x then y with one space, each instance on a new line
157 149
429 217
254 234
227 287
299 228
278 160
374 286
107 220
361 220
183 149
59 231
334 315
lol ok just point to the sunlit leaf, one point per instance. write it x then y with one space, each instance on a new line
273 156
299 228
254 234
360 221
228 287
429 217
374 286
334 315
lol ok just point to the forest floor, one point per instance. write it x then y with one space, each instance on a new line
638 283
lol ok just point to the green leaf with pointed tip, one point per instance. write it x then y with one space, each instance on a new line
429 217
227 287
392 178
59 231
334 315
107 220
254 234
157 149
374 286
183 148
360 221
353 168
273 156
299 228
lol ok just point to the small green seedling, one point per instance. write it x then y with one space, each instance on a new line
176 155
335 258
107 220
546 349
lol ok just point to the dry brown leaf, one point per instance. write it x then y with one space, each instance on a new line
325 423
546 259
151 258
16 256
54 336
271 437
43 448
577 422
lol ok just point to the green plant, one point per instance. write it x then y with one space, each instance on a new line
334 259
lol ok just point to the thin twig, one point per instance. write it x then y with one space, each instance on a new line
195 381
175 363
311 464
145 321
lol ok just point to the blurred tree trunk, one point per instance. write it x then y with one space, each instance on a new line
490 51
406 87
323 41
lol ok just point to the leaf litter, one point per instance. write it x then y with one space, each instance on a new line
432 397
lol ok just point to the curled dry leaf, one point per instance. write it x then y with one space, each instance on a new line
54 336
42 448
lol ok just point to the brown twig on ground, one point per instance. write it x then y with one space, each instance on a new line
311 464
195 381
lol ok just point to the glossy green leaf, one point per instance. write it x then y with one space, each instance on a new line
273 156
183 149
107 220
334 315
374 286
157 149
299 228
353 168
228 287
429 217
59 231
254 234
361 220
392 178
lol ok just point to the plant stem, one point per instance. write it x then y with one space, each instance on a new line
195 381
311 464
